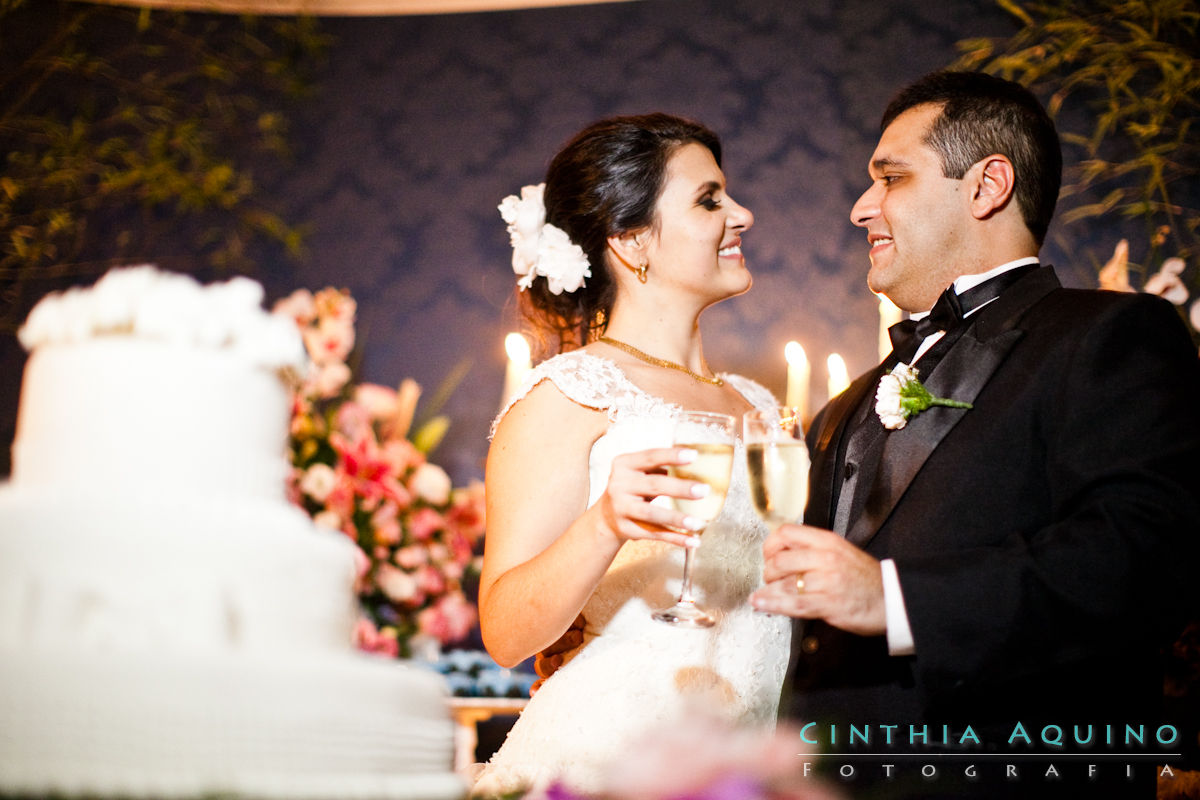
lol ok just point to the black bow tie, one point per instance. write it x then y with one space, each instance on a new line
948 311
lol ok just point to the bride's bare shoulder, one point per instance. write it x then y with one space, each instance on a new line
546 415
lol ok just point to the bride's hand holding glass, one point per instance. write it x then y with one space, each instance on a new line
627 508
711 437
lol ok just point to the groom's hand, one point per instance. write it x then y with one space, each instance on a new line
813 573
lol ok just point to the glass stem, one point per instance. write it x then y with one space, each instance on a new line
685 591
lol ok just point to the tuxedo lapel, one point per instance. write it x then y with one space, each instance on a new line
961 375
831 426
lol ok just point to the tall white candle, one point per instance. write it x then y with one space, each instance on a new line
519 365
839 378
889 315
799 375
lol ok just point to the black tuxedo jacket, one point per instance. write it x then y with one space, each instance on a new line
1045 540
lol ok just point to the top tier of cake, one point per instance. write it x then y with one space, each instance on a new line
150 380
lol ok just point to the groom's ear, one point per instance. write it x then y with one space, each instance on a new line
991 181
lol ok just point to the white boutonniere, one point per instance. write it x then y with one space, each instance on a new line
901 397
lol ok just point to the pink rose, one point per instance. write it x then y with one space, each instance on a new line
379 402
329 342
386 523
327 380
299 306
466 514
362 564
424 523
430 580
449 620
412 556
292 488
354 422
340 499
368 638
397 584
402 455
460 614
461 548
431 622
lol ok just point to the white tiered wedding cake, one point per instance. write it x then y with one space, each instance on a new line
169 625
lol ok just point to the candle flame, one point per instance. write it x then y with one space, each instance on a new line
839 377
795 354
517 347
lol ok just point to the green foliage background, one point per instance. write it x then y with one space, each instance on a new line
105 110
1122 78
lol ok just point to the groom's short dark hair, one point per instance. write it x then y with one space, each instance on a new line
983 115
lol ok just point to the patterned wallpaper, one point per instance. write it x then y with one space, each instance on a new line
421 124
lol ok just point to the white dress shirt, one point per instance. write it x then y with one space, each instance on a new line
899 632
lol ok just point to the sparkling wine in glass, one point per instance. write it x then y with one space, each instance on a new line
711 436
777 461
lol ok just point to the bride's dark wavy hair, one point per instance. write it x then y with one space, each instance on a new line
605 181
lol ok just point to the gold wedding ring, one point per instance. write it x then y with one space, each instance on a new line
800 584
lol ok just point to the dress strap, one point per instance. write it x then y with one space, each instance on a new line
597 383
583 378
755 393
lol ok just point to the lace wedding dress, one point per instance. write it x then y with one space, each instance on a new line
633 674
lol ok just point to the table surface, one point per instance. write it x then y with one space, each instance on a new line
468 712
497 705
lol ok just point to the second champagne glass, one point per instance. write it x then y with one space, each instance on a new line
777 460
711 436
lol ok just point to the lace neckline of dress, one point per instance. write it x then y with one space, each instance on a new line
747 389
599 382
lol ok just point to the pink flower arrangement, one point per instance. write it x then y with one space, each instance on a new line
1168 283
355 470
701 758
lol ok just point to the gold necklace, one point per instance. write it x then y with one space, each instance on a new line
660 362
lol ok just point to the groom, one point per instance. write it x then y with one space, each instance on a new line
1019 563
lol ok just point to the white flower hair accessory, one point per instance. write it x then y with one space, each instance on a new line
901 396
540 248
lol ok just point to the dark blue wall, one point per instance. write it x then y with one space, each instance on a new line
420 126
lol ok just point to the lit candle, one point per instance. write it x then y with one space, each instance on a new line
839 378
799 374
889 315
519 365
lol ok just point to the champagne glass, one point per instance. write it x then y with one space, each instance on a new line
777 460
711 436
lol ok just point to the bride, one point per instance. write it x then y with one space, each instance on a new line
637 237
